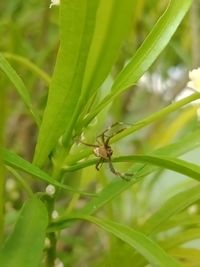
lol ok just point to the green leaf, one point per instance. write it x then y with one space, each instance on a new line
161 114
24 246
113 18
19 85
77 21
179 220
150 250
115 188
191 255
181 238
151 48
171 207
17 162
136 126
30 65
181 166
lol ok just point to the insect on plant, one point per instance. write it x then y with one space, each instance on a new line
104 152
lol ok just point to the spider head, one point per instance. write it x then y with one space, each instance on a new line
104 152
109 151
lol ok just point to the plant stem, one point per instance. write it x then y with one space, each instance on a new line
70 160
156 116
2 171
51 251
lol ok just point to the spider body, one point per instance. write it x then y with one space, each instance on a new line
104 152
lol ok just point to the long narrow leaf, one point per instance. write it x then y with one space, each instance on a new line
139 125
151 251
16 161
177 165
115 188
25 244
30 65
154 44
171 207
77 20
19 85
113 18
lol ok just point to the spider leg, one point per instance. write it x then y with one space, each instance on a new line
117 132
105 138
86 144
99 164
99 140
112 135
124 176
112 167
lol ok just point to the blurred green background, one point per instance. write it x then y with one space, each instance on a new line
29 29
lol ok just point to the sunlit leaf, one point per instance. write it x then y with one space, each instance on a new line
143 244
170 208
150 49
115 188
24 246
15 161
19 85
77 22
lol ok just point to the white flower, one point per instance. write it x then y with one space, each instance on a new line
194 77
58 263
193 209
54 3
10 185
54 214
47 242
50 190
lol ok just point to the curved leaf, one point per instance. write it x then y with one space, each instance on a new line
143 244
115 188
138 125
30 65
25 245
181 166
113 18
182 237
16 161
154 44
171 207
77 20
19 85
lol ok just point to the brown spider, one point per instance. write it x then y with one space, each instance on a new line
104 151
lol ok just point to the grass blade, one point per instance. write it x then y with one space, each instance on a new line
114 189
154 44
113 18
77 20
171 207
19 85
25 245
17 162
30 65
143 244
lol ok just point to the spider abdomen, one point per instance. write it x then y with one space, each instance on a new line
103 152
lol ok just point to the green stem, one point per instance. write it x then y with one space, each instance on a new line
156 116
2 171
33 67
138 125
51 251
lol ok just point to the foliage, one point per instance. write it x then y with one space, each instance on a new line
67 73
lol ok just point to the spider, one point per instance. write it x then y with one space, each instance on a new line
104 151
